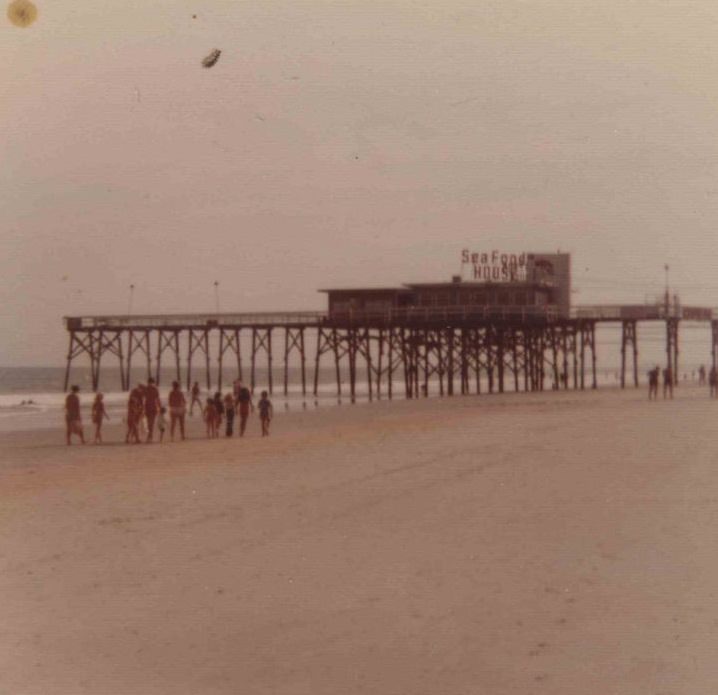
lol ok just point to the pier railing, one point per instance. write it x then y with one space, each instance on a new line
403 315
643 312
392 316
195 321
448 314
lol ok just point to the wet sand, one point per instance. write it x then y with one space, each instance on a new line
552 543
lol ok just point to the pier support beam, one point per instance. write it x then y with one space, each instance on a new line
294 340
82 342
262 342
168 340
588 341
629 338
110 341
138 341
328 341
228 341
198 341
388 358
410 358
672 347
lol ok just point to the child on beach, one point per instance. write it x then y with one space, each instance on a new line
229 414
210 418
141 418
266 411
98 415
162 423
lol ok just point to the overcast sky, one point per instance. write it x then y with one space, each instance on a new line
345 144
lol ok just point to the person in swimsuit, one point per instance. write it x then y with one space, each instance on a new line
142 417
178 408
229 414
162 423
218 409
98 415
266 411
135 411
244 402
210 418
195 398
152 407
73 419
668 382
653 383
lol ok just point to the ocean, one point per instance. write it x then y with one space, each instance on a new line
33 398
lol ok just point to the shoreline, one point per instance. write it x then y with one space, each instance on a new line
299 405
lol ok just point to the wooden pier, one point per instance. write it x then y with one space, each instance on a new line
460 350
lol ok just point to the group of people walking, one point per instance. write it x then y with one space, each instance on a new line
146 412
218 410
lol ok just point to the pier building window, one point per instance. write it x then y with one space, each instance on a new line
378 305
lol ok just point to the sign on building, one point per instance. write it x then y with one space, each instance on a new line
495 266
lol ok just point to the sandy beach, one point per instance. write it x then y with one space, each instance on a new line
548 543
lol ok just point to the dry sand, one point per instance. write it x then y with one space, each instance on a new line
552 543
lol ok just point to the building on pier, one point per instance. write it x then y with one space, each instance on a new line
533 285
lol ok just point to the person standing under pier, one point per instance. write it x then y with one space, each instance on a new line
210 418
194 393
152 407
98 415
178 408
162 423
219 409
73 418
668 382
229 414
653 383
244 404
266 411
135 412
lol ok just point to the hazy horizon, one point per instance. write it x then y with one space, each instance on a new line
345 145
